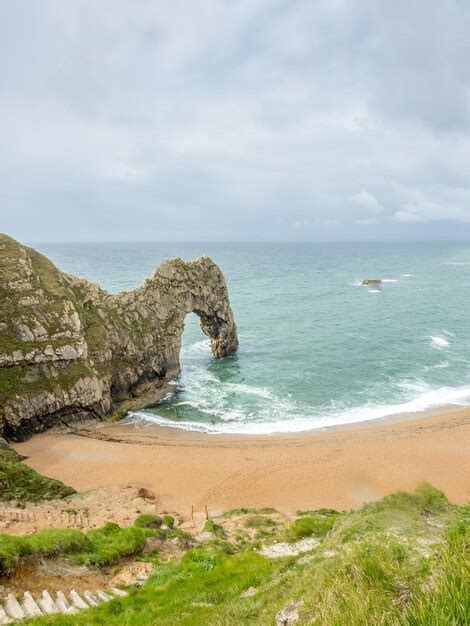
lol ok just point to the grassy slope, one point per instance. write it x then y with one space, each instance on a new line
20 482
399 561
96 548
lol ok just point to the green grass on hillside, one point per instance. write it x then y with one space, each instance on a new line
111 543
401 561
99 547
20 482
41 543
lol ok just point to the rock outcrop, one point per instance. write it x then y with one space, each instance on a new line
69 348
371 282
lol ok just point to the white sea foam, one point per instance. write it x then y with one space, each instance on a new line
389 280
407 275
438 342
238 421
200 347
374 291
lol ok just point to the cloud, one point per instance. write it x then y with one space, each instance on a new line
368 201
423 210
230 120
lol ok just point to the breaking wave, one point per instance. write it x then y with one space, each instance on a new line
210 405
438 342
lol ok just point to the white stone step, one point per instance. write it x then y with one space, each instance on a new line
103 596
90 598
78 601
4 619
13 608
47 604
118 592
63 605
30 606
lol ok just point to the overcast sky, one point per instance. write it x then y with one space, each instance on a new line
234 119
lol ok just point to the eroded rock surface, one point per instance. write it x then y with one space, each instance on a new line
69 348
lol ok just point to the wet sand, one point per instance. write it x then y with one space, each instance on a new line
338 468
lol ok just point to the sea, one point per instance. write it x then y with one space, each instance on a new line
317 349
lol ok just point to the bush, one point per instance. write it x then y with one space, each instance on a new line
168 520
211 527
111 543
425 498
318 524
146 520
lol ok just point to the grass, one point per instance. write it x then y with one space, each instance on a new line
243 511
146 520
40 543
111 543
406 563
96 548
211 527
258 521
318 524
20 482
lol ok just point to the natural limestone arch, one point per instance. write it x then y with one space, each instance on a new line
68 348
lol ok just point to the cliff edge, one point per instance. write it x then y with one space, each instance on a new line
69 348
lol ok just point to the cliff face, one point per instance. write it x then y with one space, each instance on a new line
69 348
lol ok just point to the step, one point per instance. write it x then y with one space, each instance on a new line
103 596
47 604
77 600
118 592
90 598
4 619
30 606
13 608
63 604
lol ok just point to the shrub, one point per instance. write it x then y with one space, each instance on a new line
146 520
318 524
425 498
111 543
211 527
168 520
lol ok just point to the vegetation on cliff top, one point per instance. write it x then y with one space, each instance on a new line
403 560
21 483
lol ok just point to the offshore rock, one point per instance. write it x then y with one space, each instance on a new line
70 349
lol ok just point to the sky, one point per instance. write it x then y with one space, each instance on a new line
234 119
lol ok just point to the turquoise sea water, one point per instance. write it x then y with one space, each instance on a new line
316 348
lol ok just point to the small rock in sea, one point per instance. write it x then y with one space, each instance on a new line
289 614
371 282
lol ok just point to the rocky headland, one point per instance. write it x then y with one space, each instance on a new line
70 349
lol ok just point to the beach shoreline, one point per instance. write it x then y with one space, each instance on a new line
338 467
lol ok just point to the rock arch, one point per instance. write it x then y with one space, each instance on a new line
69 348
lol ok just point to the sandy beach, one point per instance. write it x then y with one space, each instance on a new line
336 468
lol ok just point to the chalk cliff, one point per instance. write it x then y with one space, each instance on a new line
69 348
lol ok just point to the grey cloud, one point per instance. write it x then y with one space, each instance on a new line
249 119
